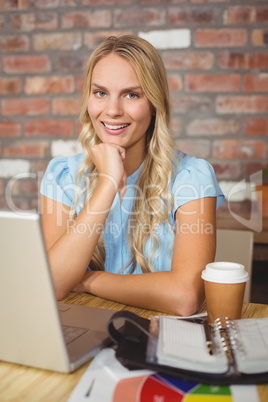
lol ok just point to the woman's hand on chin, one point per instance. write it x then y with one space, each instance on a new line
108 159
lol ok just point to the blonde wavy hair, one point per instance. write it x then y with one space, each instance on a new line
154 203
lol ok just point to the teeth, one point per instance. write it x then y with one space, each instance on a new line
115 127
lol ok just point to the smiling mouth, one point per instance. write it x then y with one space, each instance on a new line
115 127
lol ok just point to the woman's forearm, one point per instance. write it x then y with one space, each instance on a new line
71 254
164 291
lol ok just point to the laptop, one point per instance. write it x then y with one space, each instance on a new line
35 329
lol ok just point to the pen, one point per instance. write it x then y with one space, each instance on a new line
209 342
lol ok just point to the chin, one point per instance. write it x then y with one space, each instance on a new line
114 140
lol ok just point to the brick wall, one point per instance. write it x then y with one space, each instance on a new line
215 53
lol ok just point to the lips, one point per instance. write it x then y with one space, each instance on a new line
115 126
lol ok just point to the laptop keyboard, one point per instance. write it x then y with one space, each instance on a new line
72 333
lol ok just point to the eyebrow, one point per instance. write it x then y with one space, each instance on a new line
129 89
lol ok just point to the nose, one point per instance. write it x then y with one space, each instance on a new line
114 107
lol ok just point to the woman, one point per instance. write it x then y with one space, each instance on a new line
131 220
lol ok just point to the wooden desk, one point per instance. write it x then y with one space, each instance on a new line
20 383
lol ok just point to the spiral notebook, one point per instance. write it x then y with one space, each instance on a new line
239 346
227 352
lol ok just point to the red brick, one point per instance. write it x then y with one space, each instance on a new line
95 19
198 148
31 106
220 37
159 1
186 104
3 203
174 82
259 37
54 3
175 127
108 2
236 149
245 15
227 171
33 21
155 17
213 127
243 60
2 21
48 128
93 39
26 64
10 129
52 85
211 1
256 82
69 106
136 17
79 83
25 187
188 61
19 203
256 126
10 86
242 104
39 166
253 167
184 15
7 5
57 41
212 83
78 127
73 63
29 149
14 43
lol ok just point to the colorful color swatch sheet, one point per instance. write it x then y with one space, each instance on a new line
159 388
106 380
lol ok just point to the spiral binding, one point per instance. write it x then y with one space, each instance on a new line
230 327
226 330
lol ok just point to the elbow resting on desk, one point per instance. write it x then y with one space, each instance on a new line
189 307
60 294
183 303
63 287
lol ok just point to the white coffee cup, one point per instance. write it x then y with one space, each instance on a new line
224 289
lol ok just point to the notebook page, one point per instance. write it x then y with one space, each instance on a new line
185 340
183 344
252 345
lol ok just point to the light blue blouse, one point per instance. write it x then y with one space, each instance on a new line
194 179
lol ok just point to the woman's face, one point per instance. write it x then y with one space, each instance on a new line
117 105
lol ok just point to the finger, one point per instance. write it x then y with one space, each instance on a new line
92 150
121 150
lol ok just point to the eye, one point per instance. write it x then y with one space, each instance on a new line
131 95
100 94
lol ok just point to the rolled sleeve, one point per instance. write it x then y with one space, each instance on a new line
58 182
195 179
